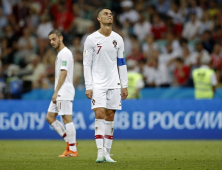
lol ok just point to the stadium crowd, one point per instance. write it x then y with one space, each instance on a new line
167 39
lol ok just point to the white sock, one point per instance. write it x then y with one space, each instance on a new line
59 128
99 132
71 133
108 137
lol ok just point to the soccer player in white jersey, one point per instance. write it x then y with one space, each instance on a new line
63 95
105 82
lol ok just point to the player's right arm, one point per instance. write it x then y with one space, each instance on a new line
87 66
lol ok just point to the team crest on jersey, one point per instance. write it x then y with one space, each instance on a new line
114 43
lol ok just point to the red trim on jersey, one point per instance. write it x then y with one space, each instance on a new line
98 136
109 137
72 144
64 135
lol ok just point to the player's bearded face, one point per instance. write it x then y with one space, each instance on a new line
55 41
106 17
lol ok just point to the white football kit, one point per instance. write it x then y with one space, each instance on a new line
101 57
66 93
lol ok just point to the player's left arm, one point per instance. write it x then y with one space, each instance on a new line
62 77
122 69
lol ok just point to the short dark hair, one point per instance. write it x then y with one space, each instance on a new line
100 9
55 31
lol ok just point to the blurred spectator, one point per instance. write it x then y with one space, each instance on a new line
127 29
128 13
7 6
150 12
21 14
129 42
168 57
57 5
9 45
142 28
213 8
136 54
38 71
175 14
175 29
171 39
207 41
64 21
82 25
146 70
43 30
140 5
26 46
200 54
162 6
194 8
218 18
3 19
187 57
34 17
49 64
45 7
192 28
218 35
181 72
158 75
158 28
206 24
149 46
184 43
35 6
76 46
183 10
44 27
216 58
177 19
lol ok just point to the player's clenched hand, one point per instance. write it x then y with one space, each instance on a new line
54 96
89 94
124 93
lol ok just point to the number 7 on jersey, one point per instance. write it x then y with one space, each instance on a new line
99 49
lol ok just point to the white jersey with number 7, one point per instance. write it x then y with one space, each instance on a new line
101 57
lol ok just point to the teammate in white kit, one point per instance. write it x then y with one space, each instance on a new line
103 52
63 95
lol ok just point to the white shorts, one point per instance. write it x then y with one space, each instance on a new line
62 107
107 98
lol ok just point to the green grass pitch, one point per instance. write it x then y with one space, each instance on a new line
129 154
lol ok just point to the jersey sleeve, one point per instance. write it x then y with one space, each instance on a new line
87 62
65 59
122 65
